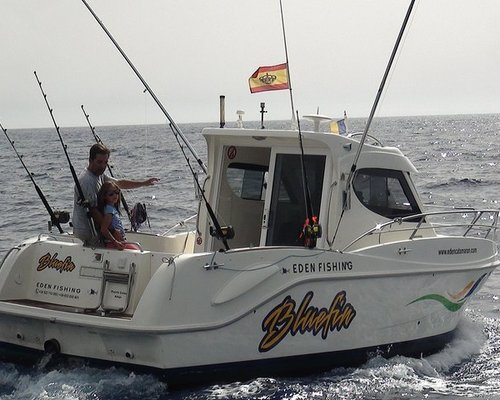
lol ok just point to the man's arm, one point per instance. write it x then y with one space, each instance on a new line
129 184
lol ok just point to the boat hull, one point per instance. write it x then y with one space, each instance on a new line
300 365
242 313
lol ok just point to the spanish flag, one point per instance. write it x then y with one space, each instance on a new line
272 77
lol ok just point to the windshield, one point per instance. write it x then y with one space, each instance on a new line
385 192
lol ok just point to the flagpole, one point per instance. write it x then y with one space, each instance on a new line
294 121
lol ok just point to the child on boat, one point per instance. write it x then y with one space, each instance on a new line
108 203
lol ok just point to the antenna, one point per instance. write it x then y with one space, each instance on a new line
262 112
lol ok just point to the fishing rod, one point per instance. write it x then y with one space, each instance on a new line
307 193
92 128
56 217
287 64
110 168
370 118
221 233
311 230
81 196
173 126
379 94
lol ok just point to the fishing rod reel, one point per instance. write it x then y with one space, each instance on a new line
225 232
311 232
58 218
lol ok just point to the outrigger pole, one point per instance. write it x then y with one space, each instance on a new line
54 218
379 94
346 199
173 125
294 121
110 169
81 196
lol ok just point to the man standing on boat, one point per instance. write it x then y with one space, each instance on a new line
91 181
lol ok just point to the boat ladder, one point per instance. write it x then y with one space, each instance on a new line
116 289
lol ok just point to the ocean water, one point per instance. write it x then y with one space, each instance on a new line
457 158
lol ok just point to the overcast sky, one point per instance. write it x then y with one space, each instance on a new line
192 51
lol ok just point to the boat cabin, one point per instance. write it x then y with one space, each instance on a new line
255 185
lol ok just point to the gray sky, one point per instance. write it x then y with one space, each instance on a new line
191 51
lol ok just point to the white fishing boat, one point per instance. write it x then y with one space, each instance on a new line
325 257
381 279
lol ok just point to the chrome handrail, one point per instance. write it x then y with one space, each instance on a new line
477 215
179 225
375 140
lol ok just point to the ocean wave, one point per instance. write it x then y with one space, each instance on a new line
20 383
467 182
379 378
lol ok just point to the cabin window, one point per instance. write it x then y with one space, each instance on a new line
247 180
385 192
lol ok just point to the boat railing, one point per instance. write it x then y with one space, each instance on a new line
184 223
482 223
376 142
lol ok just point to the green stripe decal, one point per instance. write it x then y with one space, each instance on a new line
443 300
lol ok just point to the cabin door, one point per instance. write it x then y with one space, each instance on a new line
241 194
285 205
